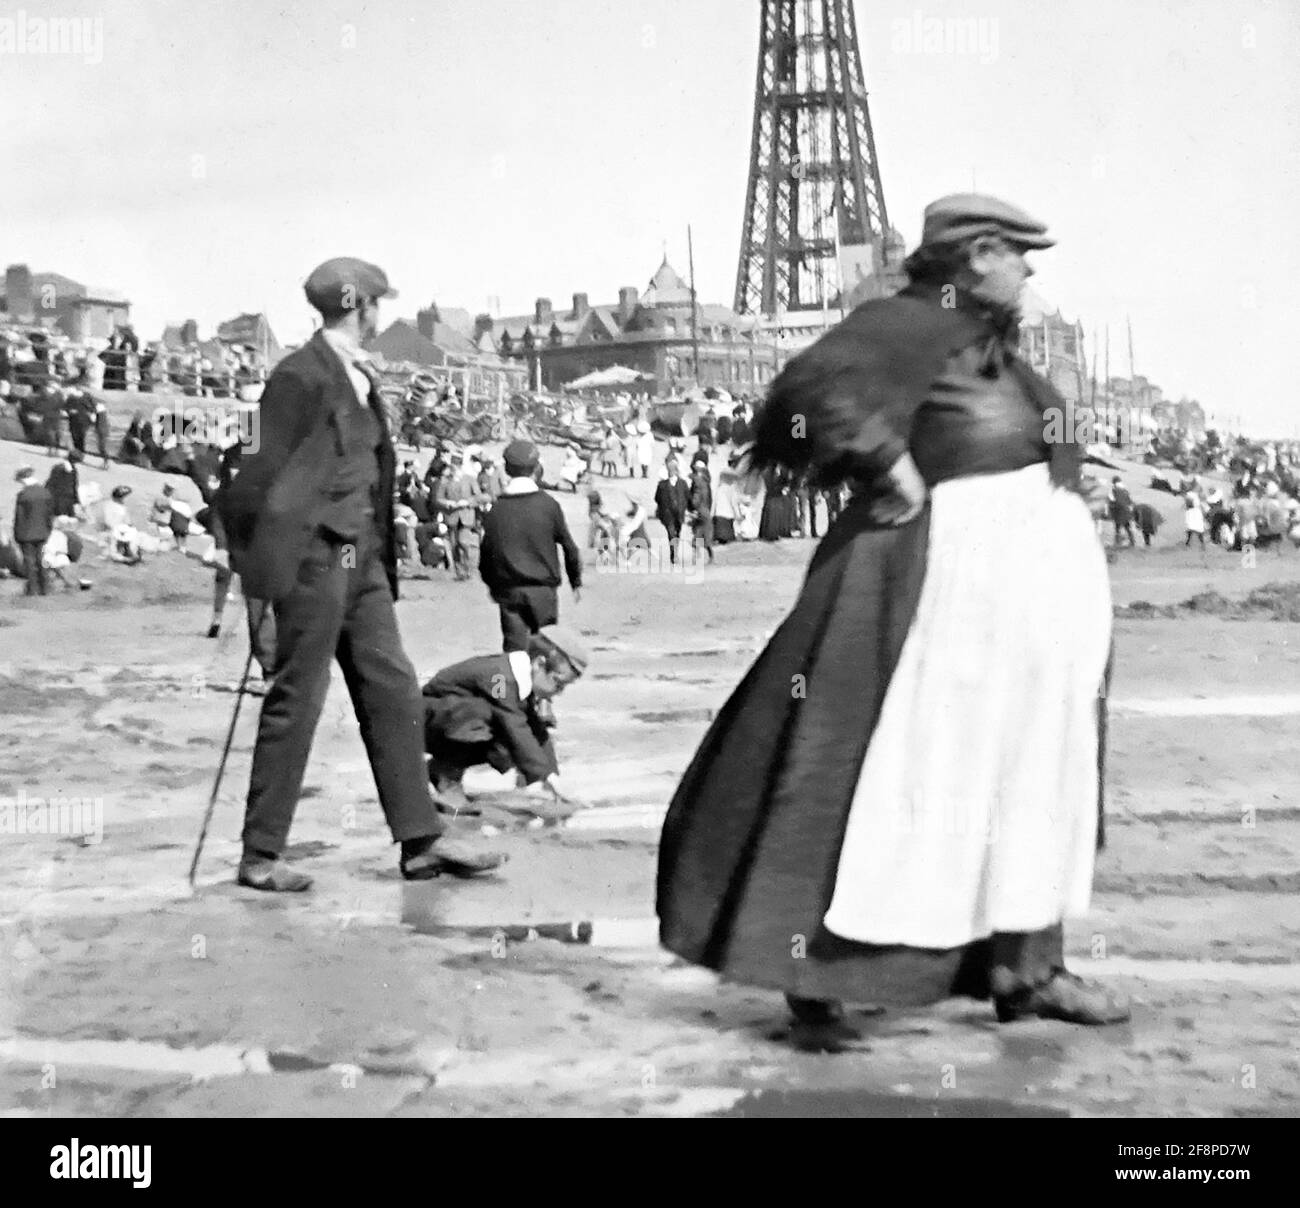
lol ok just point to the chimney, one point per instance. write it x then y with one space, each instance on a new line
627 302
18 291
542 312
580 306
426 320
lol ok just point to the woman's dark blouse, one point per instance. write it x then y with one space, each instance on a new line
971 423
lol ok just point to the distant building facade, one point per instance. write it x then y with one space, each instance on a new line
1053 345
650 332
464 348
84 313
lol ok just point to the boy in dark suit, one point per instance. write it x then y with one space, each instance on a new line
672 502
519 560
33 524
489 710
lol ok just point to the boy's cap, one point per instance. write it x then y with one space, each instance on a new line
568 644
521 456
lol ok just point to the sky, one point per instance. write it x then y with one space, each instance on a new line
202 156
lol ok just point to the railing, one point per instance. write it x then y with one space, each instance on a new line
191 380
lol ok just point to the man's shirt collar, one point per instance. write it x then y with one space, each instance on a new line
521 667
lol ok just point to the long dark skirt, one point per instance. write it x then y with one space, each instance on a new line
774 523
751 843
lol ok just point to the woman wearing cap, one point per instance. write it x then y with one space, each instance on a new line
901 800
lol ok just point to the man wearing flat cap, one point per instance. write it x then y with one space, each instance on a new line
309 525
925 817
34 514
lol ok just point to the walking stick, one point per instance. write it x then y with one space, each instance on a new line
221 767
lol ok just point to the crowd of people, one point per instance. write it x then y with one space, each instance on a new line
711 495
34 359
58 522
1259 510
1213 453
705 496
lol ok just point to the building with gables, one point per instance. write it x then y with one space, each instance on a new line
650 331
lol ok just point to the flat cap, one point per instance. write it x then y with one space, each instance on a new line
568 644
339 284
520 455
966 215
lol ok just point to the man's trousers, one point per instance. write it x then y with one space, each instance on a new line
33 568
341 608
674 530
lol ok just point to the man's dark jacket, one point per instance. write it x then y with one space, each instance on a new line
274 505
477 701
672 500
33 515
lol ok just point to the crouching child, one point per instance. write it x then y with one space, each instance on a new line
495 709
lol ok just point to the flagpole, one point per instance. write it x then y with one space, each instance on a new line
1109 416
1133 405
1096 349
695 329
1080 361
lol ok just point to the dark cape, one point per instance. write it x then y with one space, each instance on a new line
751 843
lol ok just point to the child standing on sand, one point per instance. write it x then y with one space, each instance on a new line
1193 519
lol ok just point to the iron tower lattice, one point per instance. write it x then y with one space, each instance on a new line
812 159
